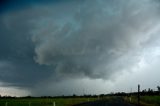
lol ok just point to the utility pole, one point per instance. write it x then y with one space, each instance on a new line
138 95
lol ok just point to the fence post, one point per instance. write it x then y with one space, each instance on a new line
98 97
54 104
138 95
29 103
6 104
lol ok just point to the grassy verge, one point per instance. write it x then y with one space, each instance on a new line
144 100
43 101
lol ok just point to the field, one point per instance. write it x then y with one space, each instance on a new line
151 100
145 100
43 101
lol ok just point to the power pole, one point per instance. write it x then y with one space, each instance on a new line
138 95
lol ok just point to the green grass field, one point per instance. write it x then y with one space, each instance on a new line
145 100
151 100
43 101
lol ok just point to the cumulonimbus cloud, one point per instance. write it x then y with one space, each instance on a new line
95 38
42 43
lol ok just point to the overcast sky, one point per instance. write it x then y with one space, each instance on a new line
65 47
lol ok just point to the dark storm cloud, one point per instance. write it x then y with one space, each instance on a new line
17 50
97 39
46 42
9 5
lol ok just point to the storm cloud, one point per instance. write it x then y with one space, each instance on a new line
66 41
95 40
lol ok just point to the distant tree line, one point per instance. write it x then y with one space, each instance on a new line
149 92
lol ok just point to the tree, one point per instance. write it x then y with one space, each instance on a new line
158 87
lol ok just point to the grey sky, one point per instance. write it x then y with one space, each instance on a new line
65 47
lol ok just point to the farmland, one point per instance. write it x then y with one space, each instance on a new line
145 100
43 101
70 101
154 100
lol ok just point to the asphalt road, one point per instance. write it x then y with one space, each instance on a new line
114 102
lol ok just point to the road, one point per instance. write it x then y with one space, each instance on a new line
114 102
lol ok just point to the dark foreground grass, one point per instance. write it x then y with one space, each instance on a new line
43 101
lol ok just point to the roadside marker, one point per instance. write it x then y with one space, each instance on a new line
29 103
6 104
54 104
130 99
